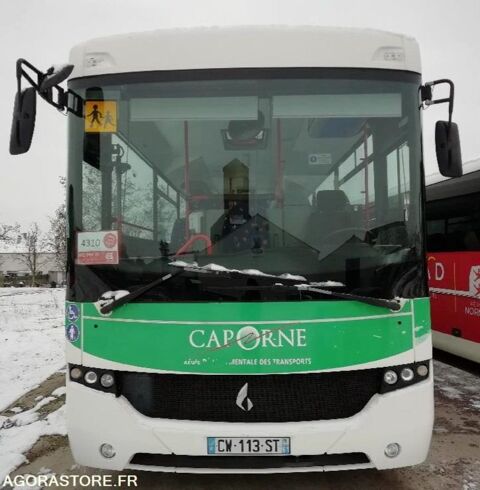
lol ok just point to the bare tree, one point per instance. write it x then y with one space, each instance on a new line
56 240
9 233
30 257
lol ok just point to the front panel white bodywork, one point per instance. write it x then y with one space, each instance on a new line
404 416
245 47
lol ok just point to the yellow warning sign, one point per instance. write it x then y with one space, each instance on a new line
100 116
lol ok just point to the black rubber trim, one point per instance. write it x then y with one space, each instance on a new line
248 462
243 74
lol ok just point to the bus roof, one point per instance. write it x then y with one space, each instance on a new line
245 47
469 183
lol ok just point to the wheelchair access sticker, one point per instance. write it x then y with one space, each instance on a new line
73 312
97 247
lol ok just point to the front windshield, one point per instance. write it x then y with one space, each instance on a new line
316 175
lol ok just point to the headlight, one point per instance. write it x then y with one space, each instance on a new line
422 370
107 380
75 373
107 451
390 377
407 374
91 377
392 450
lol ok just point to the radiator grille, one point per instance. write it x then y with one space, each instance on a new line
242 462
273 398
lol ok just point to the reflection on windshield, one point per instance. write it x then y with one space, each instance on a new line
319 178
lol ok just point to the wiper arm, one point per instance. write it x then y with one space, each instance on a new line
107 308
384 303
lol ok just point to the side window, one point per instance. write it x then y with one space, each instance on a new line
454 224
398 175
92 198
436 235
358 182
168 210
136 213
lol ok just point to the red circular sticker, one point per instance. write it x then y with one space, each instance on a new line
110 240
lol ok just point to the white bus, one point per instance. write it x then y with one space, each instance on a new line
247 287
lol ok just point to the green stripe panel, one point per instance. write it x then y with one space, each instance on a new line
421 310
236 338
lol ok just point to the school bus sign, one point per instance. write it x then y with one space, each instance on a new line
100 116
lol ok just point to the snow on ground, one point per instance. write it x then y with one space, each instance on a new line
456 384
20 432
31 339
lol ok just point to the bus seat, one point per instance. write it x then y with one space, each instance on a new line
332 212
178 237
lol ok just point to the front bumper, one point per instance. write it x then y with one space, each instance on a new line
404 416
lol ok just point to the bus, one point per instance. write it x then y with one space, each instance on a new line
453 234
247 286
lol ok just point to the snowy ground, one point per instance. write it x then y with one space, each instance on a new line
31 339
31 349
32 425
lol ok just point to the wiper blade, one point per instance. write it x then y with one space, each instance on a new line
384 303
298 283
107 308
221 270
391 304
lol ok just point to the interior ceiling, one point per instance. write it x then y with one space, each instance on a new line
163 144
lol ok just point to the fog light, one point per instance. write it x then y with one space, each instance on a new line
91 377
107 451
406 374
390 377
106 380
392 450
422 370
75 373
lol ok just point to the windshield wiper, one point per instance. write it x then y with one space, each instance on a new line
107 308
391 304
300 286
384 303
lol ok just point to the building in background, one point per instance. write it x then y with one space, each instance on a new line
15 272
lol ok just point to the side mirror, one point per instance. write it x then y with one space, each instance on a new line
447 144
23 122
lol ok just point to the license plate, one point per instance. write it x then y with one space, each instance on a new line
248 445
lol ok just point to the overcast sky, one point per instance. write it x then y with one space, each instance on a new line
43 31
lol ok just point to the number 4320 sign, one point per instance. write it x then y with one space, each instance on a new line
97 247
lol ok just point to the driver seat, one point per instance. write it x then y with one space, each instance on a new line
332 212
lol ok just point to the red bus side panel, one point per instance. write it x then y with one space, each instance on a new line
454 281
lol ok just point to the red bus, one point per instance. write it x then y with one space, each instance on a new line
453 244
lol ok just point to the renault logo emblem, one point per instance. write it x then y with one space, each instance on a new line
243 401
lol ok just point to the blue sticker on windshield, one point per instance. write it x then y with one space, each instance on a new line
73 312
73 333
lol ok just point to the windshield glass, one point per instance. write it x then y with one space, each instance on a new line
316 175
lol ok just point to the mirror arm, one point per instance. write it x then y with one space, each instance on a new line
62 99
426 95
